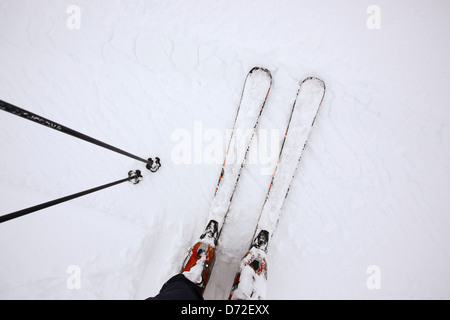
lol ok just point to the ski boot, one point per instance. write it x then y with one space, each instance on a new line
251 279
199 262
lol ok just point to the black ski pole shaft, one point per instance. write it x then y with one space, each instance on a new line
5 106
41 206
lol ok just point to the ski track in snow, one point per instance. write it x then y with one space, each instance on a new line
371 189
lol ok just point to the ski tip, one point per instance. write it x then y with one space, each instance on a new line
314 79
260 69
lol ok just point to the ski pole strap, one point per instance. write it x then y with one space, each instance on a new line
5 106
133 176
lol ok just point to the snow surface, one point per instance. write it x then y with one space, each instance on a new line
371 191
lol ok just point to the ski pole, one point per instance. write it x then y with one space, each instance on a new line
132 175
5 106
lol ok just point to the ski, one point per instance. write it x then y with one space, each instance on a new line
250 280
198 263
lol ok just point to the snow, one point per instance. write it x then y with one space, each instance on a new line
371 189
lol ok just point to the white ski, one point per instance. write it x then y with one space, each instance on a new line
200 259
256 89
